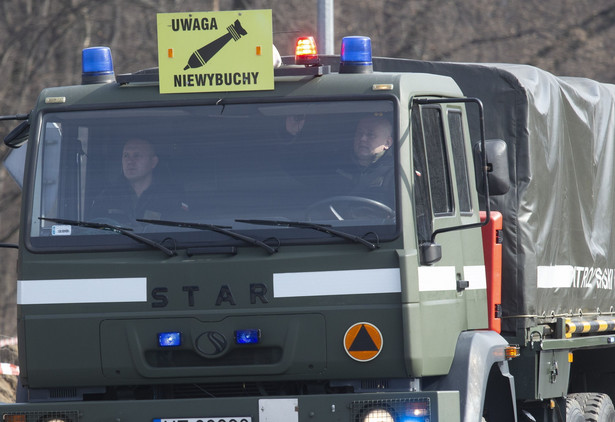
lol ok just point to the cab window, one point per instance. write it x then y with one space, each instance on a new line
437 161
455 123
422 197
243 167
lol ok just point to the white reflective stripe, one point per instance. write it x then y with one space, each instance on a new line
331 283
475 275
92 290
551 277
434 279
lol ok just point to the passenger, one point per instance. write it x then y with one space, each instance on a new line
140 193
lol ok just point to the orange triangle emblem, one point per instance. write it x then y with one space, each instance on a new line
363 341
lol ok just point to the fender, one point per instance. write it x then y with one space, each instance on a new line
476 352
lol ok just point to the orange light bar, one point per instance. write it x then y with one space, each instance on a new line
306 52
14 418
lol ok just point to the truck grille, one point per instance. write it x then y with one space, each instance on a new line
186 358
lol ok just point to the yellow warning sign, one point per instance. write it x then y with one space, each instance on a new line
215 51
363 341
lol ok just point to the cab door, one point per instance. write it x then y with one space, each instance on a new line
451 289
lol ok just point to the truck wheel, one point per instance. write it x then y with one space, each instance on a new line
574 412
599 408
582 398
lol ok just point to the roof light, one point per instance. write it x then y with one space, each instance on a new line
306 52
382 87
96 65
356 55
277 59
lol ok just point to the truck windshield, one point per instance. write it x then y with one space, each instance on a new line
330 163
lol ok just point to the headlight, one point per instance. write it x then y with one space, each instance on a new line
415 409
378 415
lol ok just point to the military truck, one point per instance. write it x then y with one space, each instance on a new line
264 273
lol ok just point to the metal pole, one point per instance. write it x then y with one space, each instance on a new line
325 26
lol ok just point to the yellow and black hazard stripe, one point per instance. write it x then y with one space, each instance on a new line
593 326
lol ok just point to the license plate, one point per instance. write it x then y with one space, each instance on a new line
207 419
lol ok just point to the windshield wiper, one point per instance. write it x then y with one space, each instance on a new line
214 228
319 227
116 229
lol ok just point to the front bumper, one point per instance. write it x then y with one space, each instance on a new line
441 406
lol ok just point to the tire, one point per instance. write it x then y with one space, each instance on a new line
574 411
599 408
582 398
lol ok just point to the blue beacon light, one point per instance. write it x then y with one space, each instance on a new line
356 55
250 336
169 339
96 66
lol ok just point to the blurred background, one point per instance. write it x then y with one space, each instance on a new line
41 43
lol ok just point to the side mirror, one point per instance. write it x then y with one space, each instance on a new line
497 167
18 136
430 253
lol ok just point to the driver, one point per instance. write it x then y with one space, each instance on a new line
140 193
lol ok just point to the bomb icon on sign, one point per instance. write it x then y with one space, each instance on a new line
204 54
